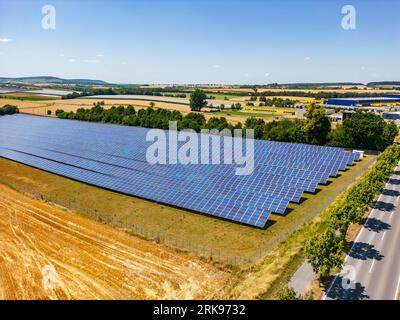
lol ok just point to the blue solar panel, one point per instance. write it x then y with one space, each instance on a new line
114 157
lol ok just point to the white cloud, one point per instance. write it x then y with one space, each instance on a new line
307 58
62 55
5 40
92 61
123 63
216 66
100 55
71 60
267 74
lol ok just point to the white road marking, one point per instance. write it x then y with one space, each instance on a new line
397 290
362 230
383 237
372 265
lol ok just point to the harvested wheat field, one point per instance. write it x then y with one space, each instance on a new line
50 253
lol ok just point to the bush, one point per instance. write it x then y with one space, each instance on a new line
8 109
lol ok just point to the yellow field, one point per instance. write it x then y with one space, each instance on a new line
50 253
41 107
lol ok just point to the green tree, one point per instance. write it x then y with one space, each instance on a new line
285 130
193 121
258 125
364 131
389 133
217 123
317 125
324 252
288 294
198 100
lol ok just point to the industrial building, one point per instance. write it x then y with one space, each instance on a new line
387 100
297 112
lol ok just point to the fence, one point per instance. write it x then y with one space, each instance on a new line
205 252
176 243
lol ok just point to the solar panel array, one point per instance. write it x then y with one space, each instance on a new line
114 157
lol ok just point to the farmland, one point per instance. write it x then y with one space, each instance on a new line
207 233
41 107
36 235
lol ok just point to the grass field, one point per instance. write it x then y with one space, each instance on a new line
89 260
41 107
235 113
217 96
28 96
208 232
267 279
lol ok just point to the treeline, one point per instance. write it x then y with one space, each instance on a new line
325 250
148 118
362 130
126 90
320 94
8 109
277 102
365 131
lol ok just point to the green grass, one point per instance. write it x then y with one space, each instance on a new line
209 232
219 96
245 114
29 97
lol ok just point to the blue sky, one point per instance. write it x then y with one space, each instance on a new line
188 41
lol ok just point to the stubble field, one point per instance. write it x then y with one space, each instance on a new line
51 253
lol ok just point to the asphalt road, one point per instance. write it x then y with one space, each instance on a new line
372 267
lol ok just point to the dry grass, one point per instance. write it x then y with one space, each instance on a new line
91 260
219 235
266 279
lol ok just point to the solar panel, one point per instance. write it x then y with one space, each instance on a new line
114 157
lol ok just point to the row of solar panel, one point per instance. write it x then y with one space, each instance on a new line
282 172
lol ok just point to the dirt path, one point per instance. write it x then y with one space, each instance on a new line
50 253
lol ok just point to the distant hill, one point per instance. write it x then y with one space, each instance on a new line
53 80
319 84
384 83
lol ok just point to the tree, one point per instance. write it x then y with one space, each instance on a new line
217 123
285 130
8 109
317 126
258 125
193 121
389 133
324 251
288 294
364 131
198 100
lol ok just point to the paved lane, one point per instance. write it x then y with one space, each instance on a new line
372 266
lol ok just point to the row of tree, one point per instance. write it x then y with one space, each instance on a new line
8 109
148 118
362 130
319 94
325 250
